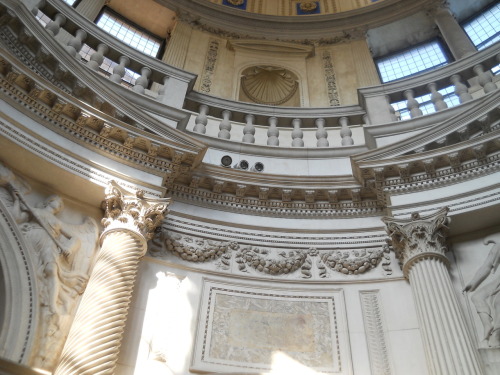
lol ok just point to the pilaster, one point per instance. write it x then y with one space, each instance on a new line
454 35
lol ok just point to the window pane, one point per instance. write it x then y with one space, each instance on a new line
404 64
128 34
484 30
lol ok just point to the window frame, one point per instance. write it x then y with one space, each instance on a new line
162 41
472 18
74 5
444 48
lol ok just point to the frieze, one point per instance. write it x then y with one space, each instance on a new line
238 258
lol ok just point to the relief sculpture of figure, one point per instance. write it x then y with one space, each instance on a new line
62 255
486 297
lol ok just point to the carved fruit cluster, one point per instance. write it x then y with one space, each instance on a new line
352 262
257 259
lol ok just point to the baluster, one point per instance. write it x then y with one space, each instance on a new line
273 132
54 26
412 104
321 133
141 83
75 44
297 133
345 132
249 129
461 89
119 70
391 109
163 89
201 120
98 57
484 79
436 97
37 6
225 125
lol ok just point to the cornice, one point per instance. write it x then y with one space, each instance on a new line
484 111
317 29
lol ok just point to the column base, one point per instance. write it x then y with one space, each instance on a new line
491 360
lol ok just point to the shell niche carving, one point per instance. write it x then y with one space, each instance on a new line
269 85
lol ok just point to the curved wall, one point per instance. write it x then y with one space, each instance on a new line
287 270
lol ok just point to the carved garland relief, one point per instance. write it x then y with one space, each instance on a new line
304 264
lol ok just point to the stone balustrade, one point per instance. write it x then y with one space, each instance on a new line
278 132
255 124
463 80
146 71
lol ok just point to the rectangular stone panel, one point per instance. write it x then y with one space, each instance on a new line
248 329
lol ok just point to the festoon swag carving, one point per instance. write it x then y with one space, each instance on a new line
418 237
192 249
269 261
124 210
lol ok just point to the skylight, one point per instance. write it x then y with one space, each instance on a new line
128 33
412 61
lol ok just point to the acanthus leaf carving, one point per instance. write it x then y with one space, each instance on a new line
419 237
132 211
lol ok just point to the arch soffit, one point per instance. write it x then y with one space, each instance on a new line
20 300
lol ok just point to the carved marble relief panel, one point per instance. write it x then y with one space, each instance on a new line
245 328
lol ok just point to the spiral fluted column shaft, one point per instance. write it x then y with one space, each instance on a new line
94 341
448 345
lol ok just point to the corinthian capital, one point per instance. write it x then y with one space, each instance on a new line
126 210
418 237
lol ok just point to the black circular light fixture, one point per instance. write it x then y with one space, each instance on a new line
259 167
226 161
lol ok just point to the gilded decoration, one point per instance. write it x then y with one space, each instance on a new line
308 6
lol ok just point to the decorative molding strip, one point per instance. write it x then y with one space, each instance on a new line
375 333
331 80
210 64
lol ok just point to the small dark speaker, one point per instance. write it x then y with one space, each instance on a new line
226 161
258 167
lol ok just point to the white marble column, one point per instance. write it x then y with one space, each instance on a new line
455 37
90 8
420 245
93 344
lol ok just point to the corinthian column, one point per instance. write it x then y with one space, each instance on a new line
93 343
420 245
